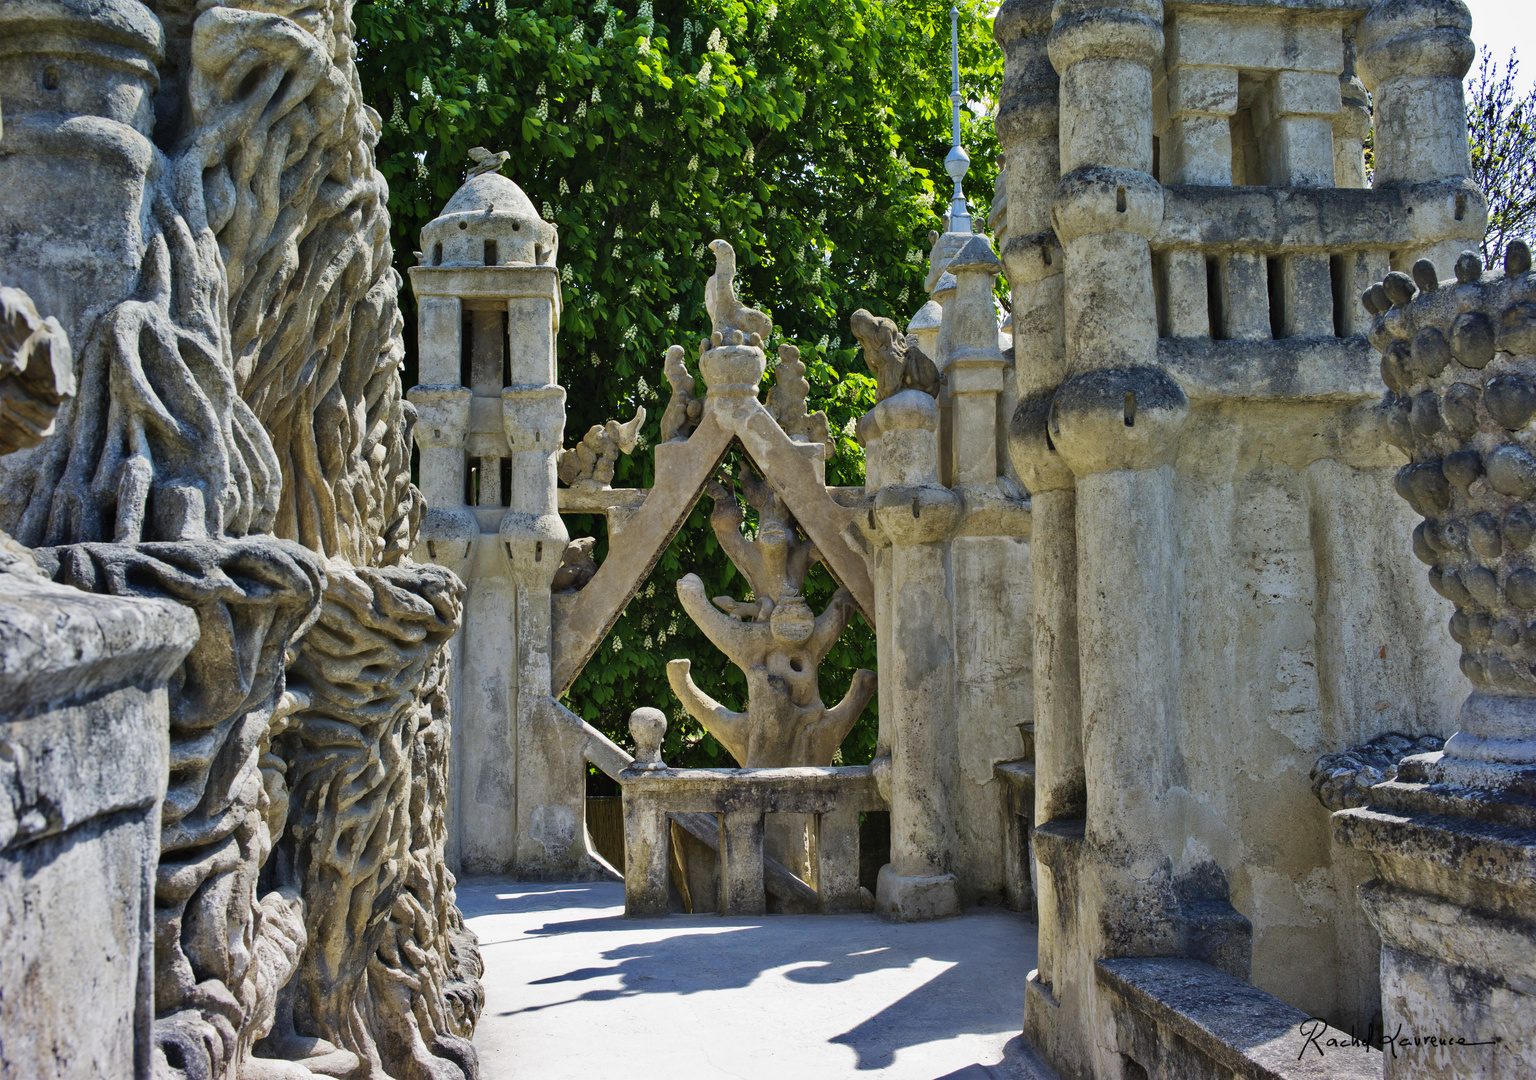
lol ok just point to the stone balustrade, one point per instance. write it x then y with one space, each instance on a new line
740 800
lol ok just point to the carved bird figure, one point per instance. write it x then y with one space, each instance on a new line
485 161
725 311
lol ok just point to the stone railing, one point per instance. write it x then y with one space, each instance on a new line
726 809
1258 264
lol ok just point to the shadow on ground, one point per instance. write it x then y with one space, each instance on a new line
907 985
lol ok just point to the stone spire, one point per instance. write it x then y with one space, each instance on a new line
957 163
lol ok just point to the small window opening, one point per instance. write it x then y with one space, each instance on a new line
796 664
437 253
517 226
490 253
466 349
1337 278
1130 408
916 510
1273 270
506 478
1160 293
1046 248
51 82
463 224
1157 159
472 483
1461 205
1120 199
1215 310
538 551
506 351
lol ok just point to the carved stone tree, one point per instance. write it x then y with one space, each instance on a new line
773 638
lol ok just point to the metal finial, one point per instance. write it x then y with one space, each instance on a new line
958 162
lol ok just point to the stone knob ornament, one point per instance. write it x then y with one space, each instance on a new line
646 727
1459 361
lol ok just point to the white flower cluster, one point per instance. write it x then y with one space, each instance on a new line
643 388
481 86
821 218
914 256
816 280
858 214
565 274
426 87
565 189
421 168
644 45
639 110
674 312
597 96
706 73
906 292
542 112
615 251
655 210
707 123
634 288
649 644
647 15
581 111
587 188
453 38
693 163
650 590
610 25
851 428
540 91
630 331
837 343
501 11
547 211
750 156
714 44
618 233
617 645
822 344
698 252
397 117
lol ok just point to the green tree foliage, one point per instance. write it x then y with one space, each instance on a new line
808 133
1502 130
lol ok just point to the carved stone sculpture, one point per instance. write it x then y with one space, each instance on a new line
786 400
37 372
727 314
589 464
897 363
1460 364
683 408
240 446
577 566
778 648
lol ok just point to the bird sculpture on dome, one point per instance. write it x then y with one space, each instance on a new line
725 311
485 161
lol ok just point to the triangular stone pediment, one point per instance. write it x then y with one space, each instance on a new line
682 471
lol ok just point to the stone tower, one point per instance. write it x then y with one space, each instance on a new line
492 417
1188 234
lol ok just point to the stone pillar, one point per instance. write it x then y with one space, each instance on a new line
83 767
915 515
1413 55
975 364
1293 121
551 768
1352 124
1197 142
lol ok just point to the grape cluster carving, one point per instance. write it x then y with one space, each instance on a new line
1459 361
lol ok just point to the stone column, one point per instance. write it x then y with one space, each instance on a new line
551 768
975 364
1413 55
83 766
915 515
1197 143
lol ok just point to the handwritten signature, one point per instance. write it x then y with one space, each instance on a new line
1316 1034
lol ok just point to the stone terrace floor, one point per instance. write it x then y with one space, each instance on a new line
575 990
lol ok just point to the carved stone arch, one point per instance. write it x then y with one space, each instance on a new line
682 471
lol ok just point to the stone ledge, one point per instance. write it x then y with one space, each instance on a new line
1466 847
1016 774
1294 220
1232 1023
59 644
1316 369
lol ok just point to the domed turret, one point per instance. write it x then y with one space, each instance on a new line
488 222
